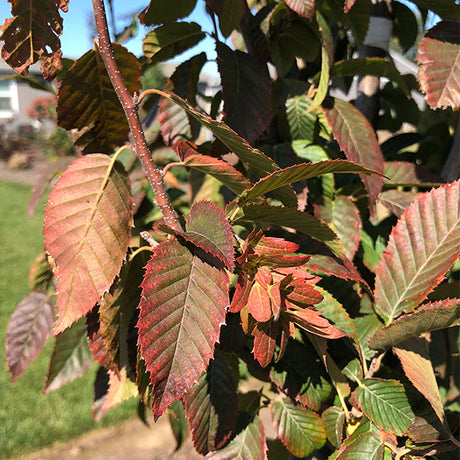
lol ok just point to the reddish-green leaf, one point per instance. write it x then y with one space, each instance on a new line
87 228
120 388
288 217
335 312
220 170
397 201
169 40
28 328
32 31
212 407
245 83
161 11
343 216
88 103
333 266
71 357
175 124
254 159
405 173
208 228
298 172
300 429
181 311
179 423
305 8
356 138
415 360
333 420
432 316
248 444
439 56
422 247
367 446
385 403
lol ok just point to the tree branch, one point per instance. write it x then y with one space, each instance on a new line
129 105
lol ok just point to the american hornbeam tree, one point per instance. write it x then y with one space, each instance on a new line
265 235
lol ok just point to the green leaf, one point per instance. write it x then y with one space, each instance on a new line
181 311
301 121
245 83
415 360
212 407
221 170
231 15
71 357
28 329
300 429
429 317
162 11
439 56
367 446
32 31
369 66
333 419
169 40
88 103
88 220
385 403
301 376
327 58
366 326
357 139
446 9
344 218
248 444
298 172
422 247
288 217
257 162
405 25
179 423
117 307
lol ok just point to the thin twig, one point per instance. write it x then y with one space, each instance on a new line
132 115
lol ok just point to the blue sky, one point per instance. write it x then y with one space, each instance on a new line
75 39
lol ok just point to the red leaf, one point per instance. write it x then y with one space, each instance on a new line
245 82
439 56
305 8
29 327
259 305
356 138
208 228
303 294
212 407
333 266
348 5
181 311
27 37
87 228
312 321
264 341
422 247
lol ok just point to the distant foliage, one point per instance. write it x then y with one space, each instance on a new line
268 234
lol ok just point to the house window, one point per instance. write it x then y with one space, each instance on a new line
5 95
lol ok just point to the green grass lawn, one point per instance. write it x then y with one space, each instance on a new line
30 420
